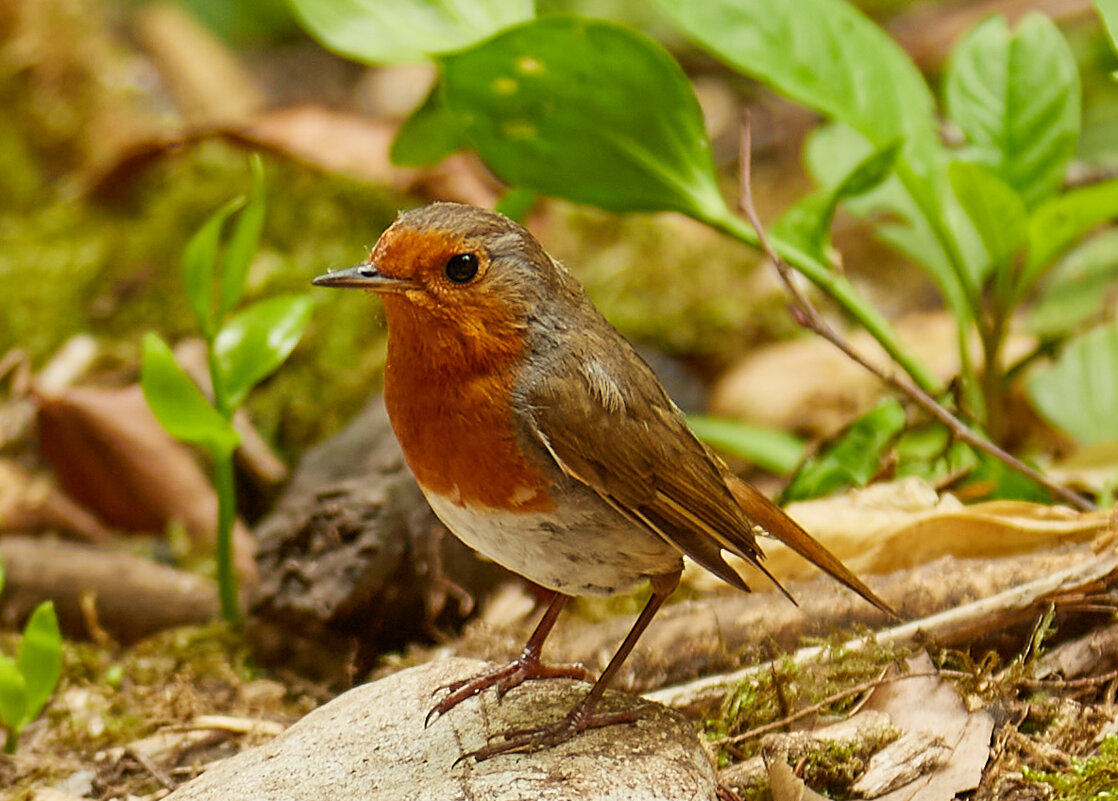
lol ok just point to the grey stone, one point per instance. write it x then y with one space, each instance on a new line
370 744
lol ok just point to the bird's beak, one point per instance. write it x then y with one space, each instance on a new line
363 276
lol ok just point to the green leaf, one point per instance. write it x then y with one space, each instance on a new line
39 659
589 111
405 30
1108 13
257 340
198 262
995 209
13 695
1058 223
830 152
775 451
1016 97
853 458
179 405
429 135
826 55
992 479
808 223
242 245
1079 392
1081 287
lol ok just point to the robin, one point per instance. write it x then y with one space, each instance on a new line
543 441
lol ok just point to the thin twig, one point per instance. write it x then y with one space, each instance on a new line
150 766
808 317
1089 681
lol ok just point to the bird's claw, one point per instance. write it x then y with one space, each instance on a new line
526 741
504 679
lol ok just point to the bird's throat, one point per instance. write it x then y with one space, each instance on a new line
448 392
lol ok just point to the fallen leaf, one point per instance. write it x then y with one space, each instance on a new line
901 524
944 746
32 503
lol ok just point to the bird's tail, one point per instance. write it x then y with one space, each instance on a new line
773 519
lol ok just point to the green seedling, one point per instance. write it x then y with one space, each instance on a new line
244 348
27 682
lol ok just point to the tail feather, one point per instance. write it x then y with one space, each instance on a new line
772 518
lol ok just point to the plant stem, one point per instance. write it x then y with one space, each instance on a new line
835 286
225 484
11 742
226 513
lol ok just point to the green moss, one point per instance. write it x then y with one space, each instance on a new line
113 271
772 696
1093 778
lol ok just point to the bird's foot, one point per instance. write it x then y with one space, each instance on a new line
516 672
526 741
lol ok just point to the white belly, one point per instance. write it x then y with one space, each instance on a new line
598 552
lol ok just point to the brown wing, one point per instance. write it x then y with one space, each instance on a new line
614 429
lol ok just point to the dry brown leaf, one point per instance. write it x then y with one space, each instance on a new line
787 786
112 456
32 503
905 523
948 742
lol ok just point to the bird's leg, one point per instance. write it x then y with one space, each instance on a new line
583 715
526 666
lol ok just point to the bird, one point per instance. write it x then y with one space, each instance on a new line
543 441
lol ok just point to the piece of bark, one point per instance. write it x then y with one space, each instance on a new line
353 562
133 597
1091 655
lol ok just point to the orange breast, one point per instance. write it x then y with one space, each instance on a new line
447 390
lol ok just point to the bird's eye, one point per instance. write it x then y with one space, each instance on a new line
461 268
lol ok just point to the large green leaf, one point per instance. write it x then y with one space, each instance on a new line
199 260
179 405
257 340
1079 288
830 153
39 659
1079 393
586 110
391 31
429 135
243 243
1108 13
826 55
995 209
1058 223
1016 97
